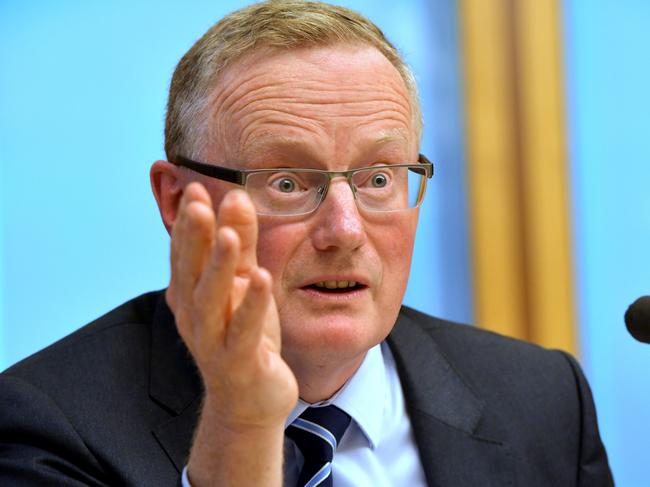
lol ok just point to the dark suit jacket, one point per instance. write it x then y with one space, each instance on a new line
115 403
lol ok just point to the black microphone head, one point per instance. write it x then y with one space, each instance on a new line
637 319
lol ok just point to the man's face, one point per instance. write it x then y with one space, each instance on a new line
333 108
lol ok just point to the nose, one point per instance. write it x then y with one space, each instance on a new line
337 222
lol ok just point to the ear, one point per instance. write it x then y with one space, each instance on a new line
167 186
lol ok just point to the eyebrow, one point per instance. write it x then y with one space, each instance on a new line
393 135
272 142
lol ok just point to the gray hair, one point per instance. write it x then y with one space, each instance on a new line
276 24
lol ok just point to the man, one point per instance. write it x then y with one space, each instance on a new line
284 293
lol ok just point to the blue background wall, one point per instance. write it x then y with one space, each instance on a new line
608 75
82 94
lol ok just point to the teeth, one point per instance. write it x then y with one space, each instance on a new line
336 284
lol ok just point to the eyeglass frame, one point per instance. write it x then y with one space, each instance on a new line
239 176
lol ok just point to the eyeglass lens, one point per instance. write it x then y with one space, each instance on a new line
299 192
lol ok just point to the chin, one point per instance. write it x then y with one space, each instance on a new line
334 335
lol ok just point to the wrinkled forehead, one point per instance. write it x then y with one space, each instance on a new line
307 94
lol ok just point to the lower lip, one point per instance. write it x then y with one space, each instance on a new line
313 293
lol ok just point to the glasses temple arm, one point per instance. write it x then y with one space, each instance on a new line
217 172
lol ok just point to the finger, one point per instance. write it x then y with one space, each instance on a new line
213 293
194 192
237 211
247 324
192 237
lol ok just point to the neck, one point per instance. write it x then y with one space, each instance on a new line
320 381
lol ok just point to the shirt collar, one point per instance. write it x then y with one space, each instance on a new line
363 397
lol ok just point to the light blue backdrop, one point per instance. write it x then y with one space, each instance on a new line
82 94
608 75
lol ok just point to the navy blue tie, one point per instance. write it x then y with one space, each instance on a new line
317 433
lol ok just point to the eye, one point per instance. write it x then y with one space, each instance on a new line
284 184
379 180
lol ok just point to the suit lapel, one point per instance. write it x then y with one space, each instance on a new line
175 385
459 440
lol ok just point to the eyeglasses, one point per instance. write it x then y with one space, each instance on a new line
297 191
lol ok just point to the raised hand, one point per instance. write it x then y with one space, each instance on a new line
226 314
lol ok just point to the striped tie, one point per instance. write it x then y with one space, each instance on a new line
317 432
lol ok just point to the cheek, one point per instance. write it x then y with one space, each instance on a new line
276 245
395 248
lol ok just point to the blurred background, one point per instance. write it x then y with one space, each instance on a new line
536 224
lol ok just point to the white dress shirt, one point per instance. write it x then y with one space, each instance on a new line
378 448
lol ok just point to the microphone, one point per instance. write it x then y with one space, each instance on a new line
637 319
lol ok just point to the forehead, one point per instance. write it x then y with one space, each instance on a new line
340 96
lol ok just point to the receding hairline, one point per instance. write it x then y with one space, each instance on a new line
251 57
282 25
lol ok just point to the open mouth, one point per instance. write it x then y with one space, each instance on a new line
336 287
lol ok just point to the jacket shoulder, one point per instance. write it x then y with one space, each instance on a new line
134 317
458 338
533 401
502 369
82 408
